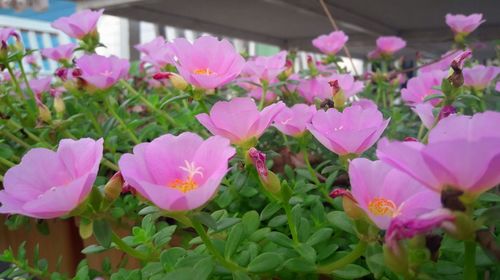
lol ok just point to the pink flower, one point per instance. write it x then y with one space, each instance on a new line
497 87
390 44
425 113
385 193
6 33
157 52
79 24
315 88
102 72
352 131
365 103
61 52
401 228
256 93
265 68
480 76
31 59
464 24
49 184
292 121
177 173
347 84
332 43
39 86
207 63
239 120
463 153
423 85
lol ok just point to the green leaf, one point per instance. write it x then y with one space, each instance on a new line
433 96
85 228
102 232
278 221
170 257
148 210
92 249
300 265
226 223
351 271
280 239
307 252
269 211
164 235
250 222
319 236
205 219
239 275
233 240
339 219
151 269
265 262
203 269
259 234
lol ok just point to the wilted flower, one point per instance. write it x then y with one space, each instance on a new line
332 43
157 52
60 53
352 131
423 85
79 24
462 24
207 63
480 76
100 71
385 193
292 121
177 173
265 68
461 154
239 120
49 184
445 62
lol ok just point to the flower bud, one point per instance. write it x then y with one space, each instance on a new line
446 111
349 203
178 81
268 178
44 113
59 105
114 187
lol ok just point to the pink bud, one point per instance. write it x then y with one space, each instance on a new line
259 161
162 76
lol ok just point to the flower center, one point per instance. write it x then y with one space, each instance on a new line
189 184
382 207
205 71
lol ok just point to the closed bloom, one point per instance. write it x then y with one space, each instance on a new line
239 120
332 43
385 193
423 85
157 52
445 62
265 68
49 184
352 131
177 173
480 76
464 24
207 63
463 153
390 44
79 24
293 121
102 72
347 86
59 53
6 33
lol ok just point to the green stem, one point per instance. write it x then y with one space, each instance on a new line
470 272
147 103
211 248
263 97
126 248
15 82
109 164
357 252
16 139
121 121
6 162
291 222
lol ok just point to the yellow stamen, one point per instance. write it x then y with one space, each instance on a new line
205 71
382 207
184 186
